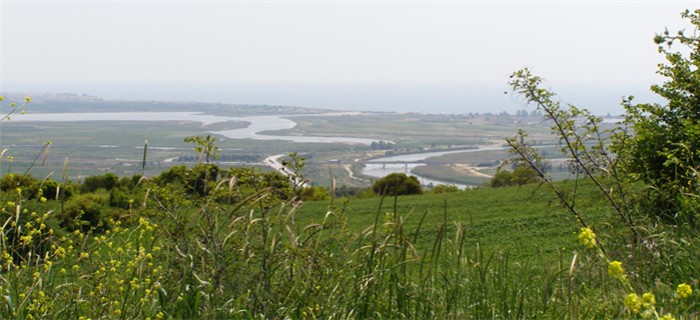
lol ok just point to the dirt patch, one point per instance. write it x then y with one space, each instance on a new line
470 171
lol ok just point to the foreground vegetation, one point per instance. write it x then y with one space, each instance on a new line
244 248
617 241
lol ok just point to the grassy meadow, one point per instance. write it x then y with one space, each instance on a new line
248 249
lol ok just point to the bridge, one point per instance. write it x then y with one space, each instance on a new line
406 163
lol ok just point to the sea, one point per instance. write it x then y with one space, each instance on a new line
428 97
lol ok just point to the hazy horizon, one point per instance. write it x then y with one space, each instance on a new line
441 57
450 98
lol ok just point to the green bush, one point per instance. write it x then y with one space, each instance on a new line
443 188
106 181
521 175
664 149
13 181
396 184
84 212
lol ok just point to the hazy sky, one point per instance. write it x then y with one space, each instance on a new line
98 46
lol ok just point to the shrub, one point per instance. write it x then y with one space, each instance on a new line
13 181
521 175
443 188
397 184
107 182
84 212
665 147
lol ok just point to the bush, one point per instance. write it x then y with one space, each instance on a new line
85 213
521 175
665 147
397 184
107 182
313 194
443 188
13 181
199 180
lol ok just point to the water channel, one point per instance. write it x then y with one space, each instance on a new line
379 170
258 125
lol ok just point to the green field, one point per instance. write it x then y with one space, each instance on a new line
251 252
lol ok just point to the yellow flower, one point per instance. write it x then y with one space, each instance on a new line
668 316
615 270
632 302
683 291
648 300
27 99
587 238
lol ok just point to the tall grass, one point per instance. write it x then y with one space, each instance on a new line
177 257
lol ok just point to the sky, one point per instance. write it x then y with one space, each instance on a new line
430 56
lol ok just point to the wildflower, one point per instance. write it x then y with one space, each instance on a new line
683 291
160 315
27 99
587 238
42 199
648 300
632 302
615 270
84 255
668 316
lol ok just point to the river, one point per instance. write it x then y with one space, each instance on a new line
258 124
379 170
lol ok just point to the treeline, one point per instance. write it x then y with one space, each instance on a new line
382 145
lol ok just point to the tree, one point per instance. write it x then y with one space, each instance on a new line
205 147
664 150
397 184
